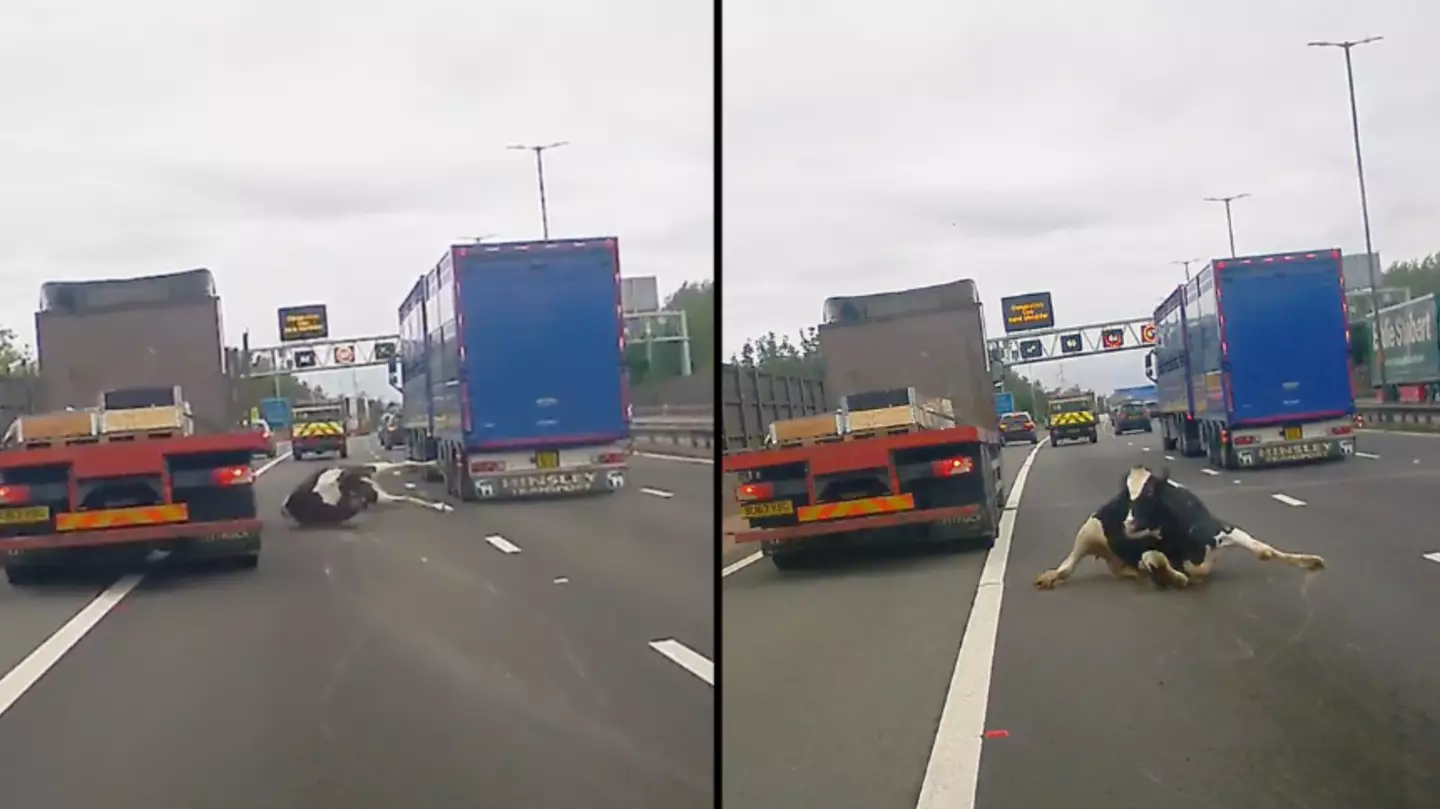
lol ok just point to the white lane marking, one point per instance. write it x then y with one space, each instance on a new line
410 485
1370 455
736 567
1288 500
561 580
686 658
680 458
1169 457
502 544
1236 481
1434 557
1144 449
1129 443
425 560
44 657
1397 432
658 492
953 771
1209 471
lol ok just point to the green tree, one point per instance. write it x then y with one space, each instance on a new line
1421 276
289 386
16 358
777 354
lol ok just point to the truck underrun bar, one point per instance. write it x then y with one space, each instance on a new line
858 524
142 533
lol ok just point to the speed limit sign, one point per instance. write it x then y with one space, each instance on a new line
1147 333
344 355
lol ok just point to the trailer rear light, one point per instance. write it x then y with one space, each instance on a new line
233 476
755 491
1343 429
14 494
1244 440
952 466
610 457
487 466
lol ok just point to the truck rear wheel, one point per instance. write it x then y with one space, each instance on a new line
788 560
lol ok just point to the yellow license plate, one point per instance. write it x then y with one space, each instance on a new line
549 459
1293 433
18 516
775 508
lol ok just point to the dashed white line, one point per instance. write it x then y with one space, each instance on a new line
686 658
1209 471
1434 557
1144 449
1169 457
952 774
658 492
1288 500
1372 456
502 544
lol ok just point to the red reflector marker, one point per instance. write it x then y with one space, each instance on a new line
14 493
952 466
754 491
233 476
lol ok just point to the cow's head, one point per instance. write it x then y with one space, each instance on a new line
1146 490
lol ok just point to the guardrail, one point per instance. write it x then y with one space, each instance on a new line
1418 417
688 435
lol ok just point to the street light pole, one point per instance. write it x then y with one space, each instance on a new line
1186 264
1346 46
540 177
1229 223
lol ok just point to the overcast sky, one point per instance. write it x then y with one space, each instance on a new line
1059 146
325 151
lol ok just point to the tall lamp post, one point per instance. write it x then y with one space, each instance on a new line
539 151
1347 46
1229 223
1186 264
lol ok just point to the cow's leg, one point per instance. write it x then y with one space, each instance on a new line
1266 553
1158 564
384 497
1089 541
1198 573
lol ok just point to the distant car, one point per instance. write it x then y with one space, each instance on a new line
1132 417
1017 427
263 428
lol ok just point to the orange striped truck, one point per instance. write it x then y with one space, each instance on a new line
913 452
135 469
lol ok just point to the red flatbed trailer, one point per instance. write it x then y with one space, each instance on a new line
103 497
938 485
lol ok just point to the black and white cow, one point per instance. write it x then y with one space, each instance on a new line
332 495
1167 532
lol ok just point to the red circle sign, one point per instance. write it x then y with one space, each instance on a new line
1147 333
344 355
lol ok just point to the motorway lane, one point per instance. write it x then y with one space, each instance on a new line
405 662
834 677
1267 688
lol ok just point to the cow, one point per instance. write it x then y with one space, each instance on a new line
1166 533
335 494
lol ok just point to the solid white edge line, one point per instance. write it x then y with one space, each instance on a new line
686 658
1211 472
1372 456
952 774
657 492
1288 500
502 544
736 567
42 658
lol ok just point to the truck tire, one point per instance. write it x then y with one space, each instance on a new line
344 452
1094 436
1054 440
790 560
25 575
298 455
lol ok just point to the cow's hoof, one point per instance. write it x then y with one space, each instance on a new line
1310 561
1048 580
1179 580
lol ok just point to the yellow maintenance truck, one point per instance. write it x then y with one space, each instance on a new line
320 427
1072 418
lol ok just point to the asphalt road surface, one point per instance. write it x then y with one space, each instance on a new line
548 654
1265 688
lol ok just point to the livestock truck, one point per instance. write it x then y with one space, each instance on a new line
137 450
513 369
913 453
1252 362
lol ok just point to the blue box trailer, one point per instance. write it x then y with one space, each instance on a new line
520 364
1252 361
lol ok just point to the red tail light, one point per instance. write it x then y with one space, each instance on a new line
486 466
1029 425
14 494
1342 430
952 466
233 476
755 491
610 457
1244 440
